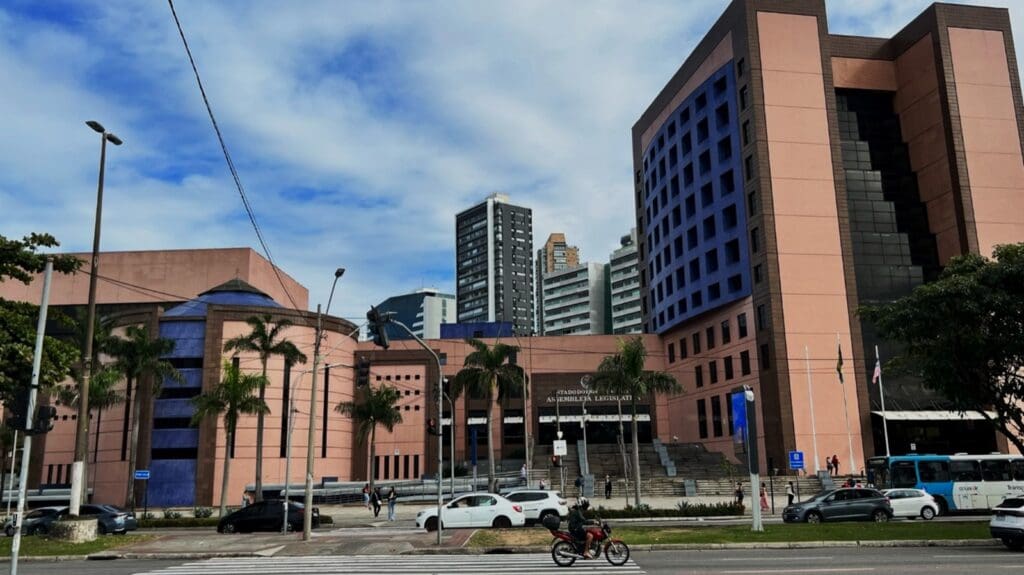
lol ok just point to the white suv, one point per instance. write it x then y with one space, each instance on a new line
538 503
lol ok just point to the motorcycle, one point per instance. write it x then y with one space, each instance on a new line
566 549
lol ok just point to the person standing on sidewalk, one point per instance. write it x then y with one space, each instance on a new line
366 495
375 498
579 486
835 464
392 501
739 493
607 487
522 475
764 498
790 495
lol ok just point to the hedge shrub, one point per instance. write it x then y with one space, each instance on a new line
683 509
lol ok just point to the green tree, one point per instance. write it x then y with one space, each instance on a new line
265 340
378 407
232 397
963 335
139 358
623 374
19 261
486 370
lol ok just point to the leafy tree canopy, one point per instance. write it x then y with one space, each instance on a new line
963 335
20 260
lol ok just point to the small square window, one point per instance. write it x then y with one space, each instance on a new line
680 277
677 217
696 300
714 292
671 128
711 261
719 86
691 206
726 183
722 117
691 238
700 102
729 217
673 156
674 186
707 195
705 163
702 130
735 283
709 227
732 251
686 144
694 270
684 116
688 175
678 243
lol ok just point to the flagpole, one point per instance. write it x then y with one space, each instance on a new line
846 408
810 399
881 394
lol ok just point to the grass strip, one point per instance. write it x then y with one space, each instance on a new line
896 531
36 545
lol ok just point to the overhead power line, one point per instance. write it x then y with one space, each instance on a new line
231 164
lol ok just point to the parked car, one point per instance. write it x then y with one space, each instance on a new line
110 519
36 521
848 504
539 503
912 503
1007 523
265 516
474 510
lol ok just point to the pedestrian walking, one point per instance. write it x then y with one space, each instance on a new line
246 498
828 463
790 494
375 498
835 464
542 485
607 487
764 498
739 493
579 485
366 495
392 501
522 475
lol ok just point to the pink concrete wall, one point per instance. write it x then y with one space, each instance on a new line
682 409
407 439
179 274
918 103
811 274
863 74
990 135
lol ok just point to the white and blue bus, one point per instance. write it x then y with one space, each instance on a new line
957 482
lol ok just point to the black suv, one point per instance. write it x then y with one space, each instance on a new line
850 504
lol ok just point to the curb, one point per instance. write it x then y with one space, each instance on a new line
168 556
44 558
721 546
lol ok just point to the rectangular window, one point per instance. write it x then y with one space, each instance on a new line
416 466
716 416
741 324
933 471
726 332
696 342
755 240
766 362
728 410
995 470
671 353
698 375
746 132
758 273
752 203
682 348
702 418
713 371
748 167
744 93
727 365
744 363
762 317
709 335
964 471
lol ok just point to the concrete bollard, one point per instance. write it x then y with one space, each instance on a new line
75 530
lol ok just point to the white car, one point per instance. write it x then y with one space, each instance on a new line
912 503
539 503
1007 523
474 510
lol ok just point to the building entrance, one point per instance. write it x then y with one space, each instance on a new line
560 404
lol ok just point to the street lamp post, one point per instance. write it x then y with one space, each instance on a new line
307 516
78 487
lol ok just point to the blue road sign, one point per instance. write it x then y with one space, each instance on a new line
796 459
142 474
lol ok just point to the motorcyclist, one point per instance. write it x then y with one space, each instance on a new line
578 523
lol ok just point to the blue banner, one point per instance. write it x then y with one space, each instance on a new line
739 421
472 445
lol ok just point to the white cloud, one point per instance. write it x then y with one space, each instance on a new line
359 129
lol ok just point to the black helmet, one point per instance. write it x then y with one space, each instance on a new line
584 504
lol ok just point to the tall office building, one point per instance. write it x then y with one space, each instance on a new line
423 310
624 284
575 300
494 264
785 176
556 255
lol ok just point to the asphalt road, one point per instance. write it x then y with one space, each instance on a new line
887 561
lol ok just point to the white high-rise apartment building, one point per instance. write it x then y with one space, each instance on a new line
624 277
575 300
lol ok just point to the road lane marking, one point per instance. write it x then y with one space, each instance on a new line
801 558
821 570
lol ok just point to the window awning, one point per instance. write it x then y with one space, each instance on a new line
933 415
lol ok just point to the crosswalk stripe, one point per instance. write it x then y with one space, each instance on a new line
394 565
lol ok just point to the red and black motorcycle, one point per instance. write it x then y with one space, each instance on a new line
566 549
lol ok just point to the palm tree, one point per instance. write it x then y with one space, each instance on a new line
232 397
379 407
263 339
139 359
624 374
485 370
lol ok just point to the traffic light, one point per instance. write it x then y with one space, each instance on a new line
376 322
45 416
432 426
18 407
362 372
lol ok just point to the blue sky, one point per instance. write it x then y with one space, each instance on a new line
359 129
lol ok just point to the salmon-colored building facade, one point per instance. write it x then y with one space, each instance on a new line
833 171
